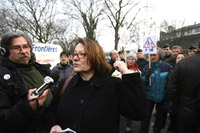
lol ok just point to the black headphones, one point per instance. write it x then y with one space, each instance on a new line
2 51
6 40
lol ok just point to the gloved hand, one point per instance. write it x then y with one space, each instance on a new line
149 72
172 109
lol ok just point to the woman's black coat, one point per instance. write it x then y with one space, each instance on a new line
95 106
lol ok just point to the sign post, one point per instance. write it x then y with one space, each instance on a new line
149 47
124 41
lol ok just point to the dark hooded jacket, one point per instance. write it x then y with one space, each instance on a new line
16 115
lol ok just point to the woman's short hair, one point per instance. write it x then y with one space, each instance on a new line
184 54
96 56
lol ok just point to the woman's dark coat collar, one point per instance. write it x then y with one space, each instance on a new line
95 80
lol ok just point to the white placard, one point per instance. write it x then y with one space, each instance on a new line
149 45
47 53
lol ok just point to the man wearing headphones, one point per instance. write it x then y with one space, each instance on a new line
20 111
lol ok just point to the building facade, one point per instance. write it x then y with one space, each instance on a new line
184 37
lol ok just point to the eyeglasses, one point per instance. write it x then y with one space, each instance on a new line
18 49
192 51
79 55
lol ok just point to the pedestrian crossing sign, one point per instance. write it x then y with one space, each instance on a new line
149 45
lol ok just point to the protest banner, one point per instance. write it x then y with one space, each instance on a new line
47 53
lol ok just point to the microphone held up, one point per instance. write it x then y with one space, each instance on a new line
48 82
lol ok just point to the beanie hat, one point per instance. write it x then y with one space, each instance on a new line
133 54
63 53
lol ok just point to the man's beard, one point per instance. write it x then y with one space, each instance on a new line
64 62
23 56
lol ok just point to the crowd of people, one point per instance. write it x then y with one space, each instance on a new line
91 95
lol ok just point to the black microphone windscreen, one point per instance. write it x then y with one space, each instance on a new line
55 76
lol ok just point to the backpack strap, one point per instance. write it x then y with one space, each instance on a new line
65 85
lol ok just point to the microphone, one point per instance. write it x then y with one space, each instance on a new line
48 82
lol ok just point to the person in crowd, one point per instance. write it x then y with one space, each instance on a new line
64 68
192 50
156 91
113 57
141 61
70 58
172 59
131 62
125 123
121 56
172 128
20 111
183 88
133 66
180 56
167 51
93 101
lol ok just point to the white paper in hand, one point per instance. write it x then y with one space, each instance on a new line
67 130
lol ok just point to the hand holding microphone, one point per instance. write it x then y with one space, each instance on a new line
37 96
48 82
36 101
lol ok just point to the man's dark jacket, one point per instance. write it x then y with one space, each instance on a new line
167 56
171 61
16 115
183 87
141 63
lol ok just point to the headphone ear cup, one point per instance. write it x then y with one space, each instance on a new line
2 51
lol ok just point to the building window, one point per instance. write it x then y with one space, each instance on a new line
197 30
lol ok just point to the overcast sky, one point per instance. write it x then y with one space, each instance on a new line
187 10
173 11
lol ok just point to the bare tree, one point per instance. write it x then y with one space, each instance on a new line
3 26
119 14
86 12
35 17
66 42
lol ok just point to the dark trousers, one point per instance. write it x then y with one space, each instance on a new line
188 126
159 118
173 125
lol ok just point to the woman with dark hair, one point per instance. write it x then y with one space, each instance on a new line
93 101
180 56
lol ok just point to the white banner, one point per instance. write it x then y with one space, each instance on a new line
47 53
